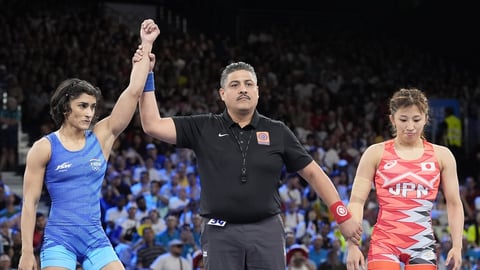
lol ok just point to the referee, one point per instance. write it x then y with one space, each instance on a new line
240 155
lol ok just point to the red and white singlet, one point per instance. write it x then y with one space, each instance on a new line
406 190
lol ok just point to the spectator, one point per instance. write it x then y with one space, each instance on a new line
167 191
167 170
40 222
332 262
149 250
325 232
178 203
157 158
119 186
114 214
450 131
297 258
468 192
16 250
194 189
473 232
5 262
289 238
152 198
149 167
6 240
141 187
197 260
189 245
9 126
316 252
128 225
197 228
123 237
172 231
4 194
142 210
310 226
158 224
291 190
173 259
181 172
293 216
186 216
11 207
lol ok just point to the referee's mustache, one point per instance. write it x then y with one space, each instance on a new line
243 96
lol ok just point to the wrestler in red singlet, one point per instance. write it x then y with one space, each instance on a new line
406 190
407 172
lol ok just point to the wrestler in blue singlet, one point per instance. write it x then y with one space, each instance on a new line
74 230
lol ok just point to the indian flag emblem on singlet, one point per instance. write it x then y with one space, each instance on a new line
95 164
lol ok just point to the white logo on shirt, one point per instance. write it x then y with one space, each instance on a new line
390 164
403 189
222 134
63 167
95 164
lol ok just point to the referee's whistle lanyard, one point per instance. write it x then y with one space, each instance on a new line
243 178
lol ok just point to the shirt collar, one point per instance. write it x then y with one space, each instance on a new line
230 122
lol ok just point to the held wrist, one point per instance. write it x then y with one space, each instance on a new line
147 46
340 212
27 250
352 245
150 83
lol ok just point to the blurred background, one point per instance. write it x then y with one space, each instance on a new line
325 68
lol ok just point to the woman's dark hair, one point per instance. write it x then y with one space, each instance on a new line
406 97
68 90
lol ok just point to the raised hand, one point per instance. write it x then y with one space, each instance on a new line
149 31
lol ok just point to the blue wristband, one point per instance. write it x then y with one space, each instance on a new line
150 83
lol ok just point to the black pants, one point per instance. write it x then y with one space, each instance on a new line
252 246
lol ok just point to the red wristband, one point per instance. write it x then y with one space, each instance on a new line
340 212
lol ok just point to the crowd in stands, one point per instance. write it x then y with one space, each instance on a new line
331 90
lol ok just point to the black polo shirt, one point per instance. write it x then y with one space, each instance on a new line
228 193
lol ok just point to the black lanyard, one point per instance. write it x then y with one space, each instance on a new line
243 178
